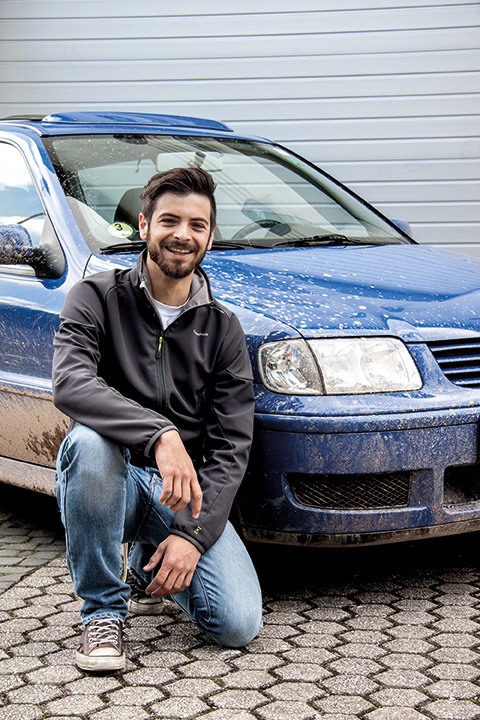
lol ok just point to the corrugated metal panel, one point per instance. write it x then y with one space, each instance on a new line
383 94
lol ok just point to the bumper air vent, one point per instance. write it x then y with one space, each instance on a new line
351 492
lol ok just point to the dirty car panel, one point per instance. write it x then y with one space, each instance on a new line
365 346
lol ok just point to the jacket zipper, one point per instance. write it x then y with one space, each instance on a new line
158 356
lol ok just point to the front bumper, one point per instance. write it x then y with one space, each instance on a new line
435 454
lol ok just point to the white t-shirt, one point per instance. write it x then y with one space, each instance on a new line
168 313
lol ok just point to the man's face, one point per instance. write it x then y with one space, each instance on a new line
179 233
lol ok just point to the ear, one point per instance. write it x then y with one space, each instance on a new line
210 242
142 226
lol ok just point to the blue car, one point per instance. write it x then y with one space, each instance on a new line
365 346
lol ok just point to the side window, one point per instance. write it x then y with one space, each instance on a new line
20 206
19 201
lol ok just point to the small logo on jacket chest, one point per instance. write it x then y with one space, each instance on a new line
199 334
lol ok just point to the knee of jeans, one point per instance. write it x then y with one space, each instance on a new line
90 464
239 628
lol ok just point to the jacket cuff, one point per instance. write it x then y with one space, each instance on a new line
189 538
153 440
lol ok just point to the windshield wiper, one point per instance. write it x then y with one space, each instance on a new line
127 247
331 239
234 245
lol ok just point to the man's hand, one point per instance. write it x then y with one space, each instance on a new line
178 559
180 482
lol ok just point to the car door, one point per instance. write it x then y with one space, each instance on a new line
31 428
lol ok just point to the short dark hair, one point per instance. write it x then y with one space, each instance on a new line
180 181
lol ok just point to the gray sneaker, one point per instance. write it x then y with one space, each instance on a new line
140 603
101 646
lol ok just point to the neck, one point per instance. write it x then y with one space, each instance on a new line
170 291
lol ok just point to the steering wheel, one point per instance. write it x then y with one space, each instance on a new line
264 223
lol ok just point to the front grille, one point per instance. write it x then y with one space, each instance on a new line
459 360
351 492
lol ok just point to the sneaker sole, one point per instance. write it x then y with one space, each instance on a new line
138 608
100 663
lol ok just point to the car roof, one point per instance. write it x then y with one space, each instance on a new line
56 123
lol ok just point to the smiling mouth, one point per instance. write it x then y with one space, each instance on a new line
179 251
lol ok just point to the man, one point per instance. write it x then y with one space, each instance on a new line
155 375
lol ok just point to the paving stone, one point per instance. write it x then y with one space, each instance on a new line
205 669
229 714
164 659
406 645
375 609
302 671
290 690
406 660
258 661
238 699
369 622
456 640
453 671
284 710
395 713
319 627
153 676
92 684
455 655
181 707
34 694
401 677
249 679
21 712
362 650
397 697
413 632
316 641
461 689
192 687
82 704
121 713
355 666
309 655
453 710
346 704
328 614
350 685
131 695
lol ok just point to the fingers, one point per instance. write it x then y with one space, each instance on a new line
178 559
180 482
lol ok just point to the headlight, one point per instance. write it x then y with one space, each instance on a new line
338 366
289 367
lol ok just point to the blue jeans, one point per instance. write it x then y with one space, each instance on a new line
104 500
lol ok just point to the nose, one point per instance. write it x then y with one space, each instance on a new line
182 231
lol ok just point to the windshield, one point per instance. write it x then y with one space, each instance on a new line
265 195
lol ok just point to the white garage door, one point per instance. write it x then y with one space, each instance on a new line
383 95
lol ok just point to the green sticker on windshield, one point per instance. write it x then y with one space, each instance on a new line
121 230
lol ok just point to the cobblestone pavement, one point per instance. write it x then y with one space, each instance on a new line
374 633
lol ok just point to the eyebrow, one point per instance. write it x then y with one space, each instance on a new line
166 214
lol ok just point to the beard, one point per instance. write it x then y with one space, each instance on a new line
170 267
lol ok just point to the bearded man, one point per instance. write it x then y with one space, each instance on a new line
155 375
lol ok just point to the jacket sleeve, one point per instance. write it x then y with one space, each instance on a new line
81 393
229 431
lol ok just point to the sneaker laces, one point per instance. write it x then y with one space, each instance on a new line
103 631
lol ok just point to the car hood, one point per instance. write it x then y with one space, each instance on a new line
410 291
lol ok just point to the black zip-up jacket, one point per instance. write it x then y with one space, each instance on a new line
118 372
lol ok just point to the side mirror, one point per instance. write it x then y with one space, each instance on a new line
16 249
404 226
